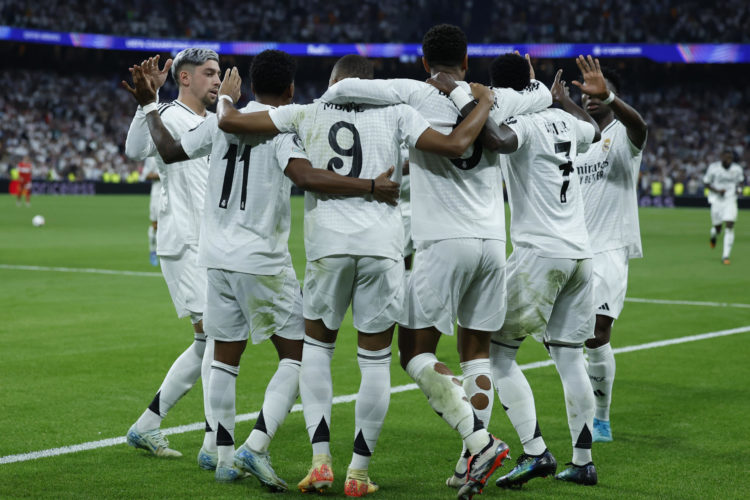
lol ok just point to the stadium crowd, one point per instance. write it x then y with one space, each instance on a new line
334 21
75 127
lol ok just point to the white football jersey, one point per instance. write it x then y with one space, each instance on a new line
354 140
183 184
149 166
608 173
723 178
247 213
546 206
451 198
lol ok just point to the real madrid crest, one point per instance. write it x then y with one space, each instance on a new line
606 144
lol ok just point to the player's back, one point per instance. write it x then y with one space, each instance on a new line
543 189
356 141
608 174
247 211
453 198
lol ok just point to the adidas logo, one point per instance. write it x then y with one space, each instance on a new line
604 307
599 393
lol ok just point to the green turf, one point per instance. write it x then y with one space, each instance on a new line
82 354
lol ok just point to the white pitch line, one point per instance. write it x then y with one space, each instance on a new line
79 270
157 274
348 398
687 303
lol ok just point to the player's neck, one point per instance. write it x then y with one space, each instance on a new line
457 73
275 101
605 120
189 100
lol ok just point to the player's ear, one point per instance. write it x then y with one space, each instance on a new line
426 65
465 63
290 92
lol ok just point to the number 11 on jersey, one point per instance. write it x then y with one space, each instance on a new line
231 158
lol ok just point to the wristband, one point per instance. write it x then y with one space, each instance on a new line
149 108
460 98
227 97
372 186
610 98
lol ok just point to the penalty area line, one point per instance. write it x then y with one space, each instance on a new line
348 398
79 270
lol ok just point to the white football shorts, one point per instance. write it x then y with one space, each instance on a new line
373 285
457 279
723 211
610 281
550 299
241 306
186 281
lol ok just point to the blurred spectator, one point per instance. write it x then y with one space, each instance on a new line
369 21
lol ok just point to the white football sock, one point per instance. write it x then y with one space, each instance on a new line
601 371
222 395
372 403
316 389
447 397
281 393
728 242
515 395
579 399
179 379
477 384
151 239
713 232
209 438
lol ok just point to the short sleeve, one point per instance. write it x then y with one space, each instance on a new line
519 125
287 118
509 102
411 124
585 133
287 147
709 177
197 142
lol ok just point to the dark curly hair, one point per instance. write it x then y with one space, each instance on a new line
271 72
354 66
510 71
444 45
613 77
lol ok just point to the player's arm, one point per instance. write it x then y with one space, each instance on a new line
232 121
489 137
464 135
377 92
144 92
708 181
561 95
304 176
138 144
595 85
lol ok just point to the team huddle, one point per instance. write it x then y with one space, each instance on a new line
223 229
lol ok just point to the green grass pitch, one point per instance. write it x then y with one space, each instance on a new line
82 354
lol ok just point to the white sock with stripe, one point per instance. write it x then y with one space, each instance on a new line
316 390
372 403
281 393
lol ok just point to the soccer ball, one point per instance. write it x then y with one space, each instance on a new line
37 221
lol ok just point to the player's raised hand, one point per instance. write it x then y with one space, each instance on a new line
231 85
151 70
144 91
559 88
443 82
594 83
526 56
385 190
482 93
